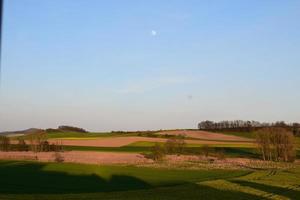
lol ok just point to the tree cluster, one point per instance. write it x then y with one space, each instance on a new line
276 144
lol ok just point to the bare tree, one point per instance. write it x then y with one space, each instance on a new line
276 144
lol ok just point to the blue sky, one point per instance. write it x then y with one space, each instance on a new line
138 65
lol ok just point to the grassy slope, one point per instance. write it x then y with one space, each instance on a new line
29 180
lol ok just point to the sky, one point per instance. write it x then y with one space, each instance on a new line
145 65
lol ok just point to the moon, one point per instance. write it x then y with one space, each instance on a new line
153 32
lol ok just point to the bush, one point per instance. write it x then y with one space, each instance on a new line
157 153
58 157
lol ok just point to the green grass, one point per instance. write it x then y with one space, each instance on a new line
228 151
233 144
77 135
32 180
125 149
297 142
233 152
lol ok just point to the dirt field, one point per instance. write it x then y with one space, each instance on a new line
204 135
123 141
171 161
79 157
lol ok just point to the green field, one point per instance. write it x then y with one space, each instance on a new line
78 135
31 180
189 150
232 144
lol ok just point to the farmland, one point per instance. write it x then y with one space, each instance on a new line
115 166
32 180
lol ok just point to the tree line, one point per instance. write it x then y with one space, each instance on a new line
35 143
247 126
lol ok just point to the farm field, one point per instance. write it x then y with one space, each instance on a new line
205 135
123 141
32 180
235 146
114 166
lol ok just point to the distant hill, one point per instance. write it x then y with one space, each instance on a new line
23 132
61 129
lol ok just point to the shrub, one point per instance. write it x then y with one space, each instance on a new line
58 157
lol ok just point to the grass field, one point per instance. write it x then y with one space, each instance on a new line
30 180
77 135
233 144
228 151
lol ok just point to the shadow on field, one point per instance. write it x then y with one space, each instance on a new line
29 178
21 180
287 192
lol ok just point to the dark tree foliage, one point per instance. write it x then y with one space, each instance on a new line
72 129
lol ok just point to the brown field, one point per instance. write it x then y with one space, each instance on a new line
79 157
123 141
205 135
171 161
